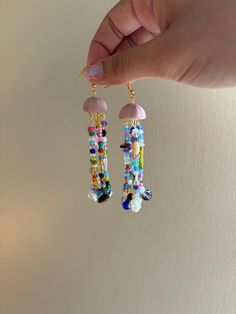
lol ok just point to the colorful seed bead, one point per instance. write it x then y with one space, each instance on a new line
100 184
133 171
104 123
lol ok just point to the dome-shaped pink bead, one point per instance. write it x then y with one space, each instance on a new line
94 104
132 112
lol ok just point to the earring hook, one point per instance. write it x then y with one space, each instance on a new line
79 75
132 92
94 89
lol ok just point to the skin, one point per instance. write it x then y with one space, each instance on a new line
189 41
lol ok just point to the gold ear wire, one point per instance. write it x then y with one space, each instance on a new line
93 86
79 75
132 93
94 89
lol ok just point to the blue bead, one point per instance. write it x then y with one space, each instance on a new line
126 204
98 193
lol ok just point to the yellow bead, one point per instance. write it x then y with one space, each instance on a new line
141 158
135 148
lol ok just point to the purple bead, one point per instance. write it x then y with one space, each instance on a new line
104 123
92 151
126 150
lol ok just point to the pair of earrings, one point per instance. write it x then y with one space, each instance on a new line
134 191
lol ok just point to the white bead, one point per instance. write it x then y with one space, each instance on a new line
135 132
135 208
126 160
136 204
92 196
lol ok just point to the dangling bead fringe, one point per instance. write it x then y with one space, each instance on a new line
133 147
100 189
134 191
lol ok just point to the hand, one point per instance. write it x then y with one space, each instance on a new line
190 41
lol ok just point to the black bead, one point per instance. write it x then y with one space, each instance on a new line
131 129
125 145
103 198
130 196
146 195
104 133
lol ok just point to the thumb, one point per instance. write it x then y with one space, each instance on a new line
156 58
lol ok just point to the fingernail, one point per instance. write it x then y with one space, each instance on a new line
94 71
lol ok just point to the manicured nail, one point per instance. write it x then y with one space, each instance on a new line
94 71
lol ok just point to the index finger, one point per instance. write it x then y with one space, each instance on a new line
120 22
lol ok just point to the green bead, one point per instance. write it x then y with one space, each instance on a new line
108 186
141 158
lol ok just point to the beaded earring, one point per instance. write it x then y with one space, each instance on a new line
134 191
100 189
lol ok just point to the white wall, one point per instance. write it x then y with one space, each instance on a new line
62 254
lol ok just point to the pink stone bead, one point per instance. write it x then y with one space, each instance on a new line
94 104
105 163
99 130
132 112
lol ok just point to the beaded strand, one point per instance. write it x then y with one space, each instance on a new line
100 189
133 148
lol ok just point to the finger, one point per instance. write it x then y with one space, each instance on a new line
139 37
121 21
165 56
